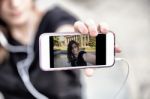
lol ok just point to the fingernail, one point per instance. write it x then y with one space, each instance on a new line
94 33
86 31
81 30
89 72
103 30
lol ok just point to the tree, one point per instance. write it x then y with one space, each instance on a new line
56 41
92 42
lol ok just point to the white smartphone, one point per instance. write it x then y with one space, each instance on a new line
65 51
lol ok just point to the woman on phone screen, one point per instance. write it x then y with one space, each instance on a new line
77 57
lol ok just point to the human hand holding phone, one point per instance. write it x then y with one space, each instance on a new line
91 28
65 50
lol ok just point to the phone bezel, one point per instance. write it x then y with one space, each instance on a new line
45 53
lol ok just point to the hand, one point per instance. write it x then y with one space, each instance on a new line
90 27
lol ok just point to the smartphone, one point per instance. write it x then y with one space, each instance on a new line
65 51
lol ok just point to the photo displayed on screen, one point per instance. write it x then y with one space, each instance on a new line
77 50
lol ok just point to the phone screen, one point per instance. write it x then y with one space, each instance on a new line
77 50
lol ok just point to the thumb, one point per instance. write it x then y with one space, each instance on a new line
89 72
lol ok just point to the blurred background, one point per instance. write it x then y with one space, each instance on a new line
130 20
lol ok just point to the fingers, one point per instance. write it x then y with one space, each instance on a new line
117 49
103 28
80 27
92 27
89 72
89 27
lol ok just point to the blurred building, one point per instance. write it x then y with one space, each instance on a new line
83 40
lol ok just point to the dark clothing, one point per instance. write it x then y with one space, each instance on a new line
55 85
79 61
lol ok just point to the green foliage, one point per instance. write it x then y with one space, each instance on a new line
56 41
92 42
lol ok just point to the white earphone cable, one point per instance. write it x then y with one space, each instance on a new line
23 65
125 79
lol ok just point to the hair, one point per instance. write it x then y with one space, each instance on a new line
70 55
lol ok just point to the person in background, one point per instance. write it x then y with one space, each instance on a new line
21 22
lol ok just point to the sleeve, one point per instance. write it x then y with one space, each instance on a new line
81 53
57 17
